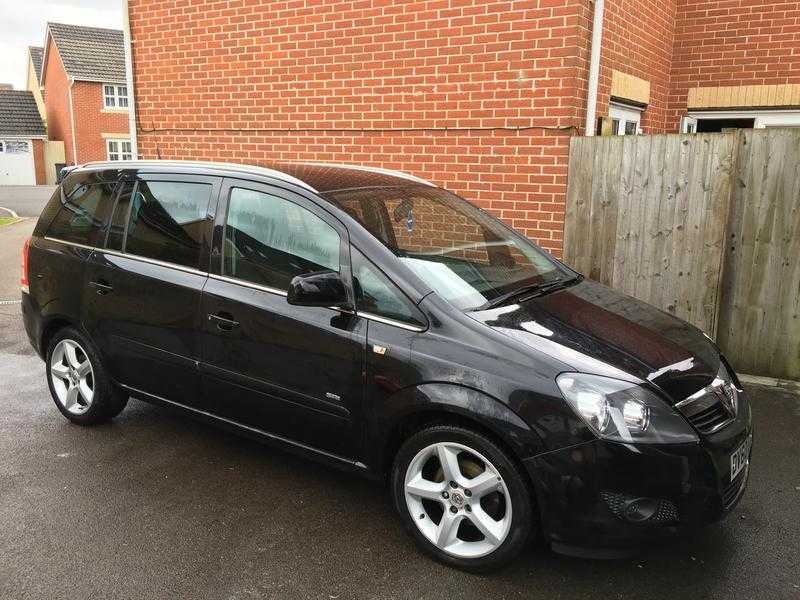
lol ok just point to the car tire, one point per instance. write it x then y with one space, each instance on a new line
415 471
78 381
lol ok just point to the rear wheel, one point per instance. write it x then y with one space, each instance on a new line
462 498
78 382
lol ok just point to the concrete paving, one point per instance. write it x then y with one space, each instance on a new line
25 200
155 505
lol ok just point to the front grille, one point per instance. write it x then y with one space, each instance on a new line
709 419
733 490
711 408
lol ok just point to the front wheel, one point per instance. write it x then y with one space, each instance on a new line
462 498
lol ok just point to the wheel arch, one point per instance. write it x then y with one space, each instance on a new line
424 405
51 326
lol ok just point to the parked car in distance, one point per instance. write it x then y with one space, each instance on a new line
381 324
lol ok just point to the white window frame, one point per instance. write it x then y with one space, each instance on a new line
688 125
115 96
625 114
762 118
118 152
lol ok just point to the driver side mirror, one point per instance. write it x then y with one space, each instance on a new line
324 288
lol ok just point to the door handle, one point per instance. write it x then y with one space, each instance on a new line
103 287
224 321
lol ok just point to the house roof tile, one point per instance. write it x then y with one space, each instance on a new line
19 115
90 53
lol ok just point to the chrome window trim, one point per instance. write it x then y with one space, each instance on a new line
277 292
392 322
145 259
242 282
154 261
66 243
249 284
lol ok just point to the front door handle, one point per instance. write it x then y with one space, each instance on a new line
102 286
224 321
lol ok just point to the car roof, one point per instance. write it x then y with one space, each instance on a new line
319 177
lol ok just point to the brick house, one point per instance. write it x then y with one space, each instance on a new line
481 96
85 92
22 137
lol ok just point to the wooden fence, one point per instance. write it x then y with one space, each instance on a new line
704 226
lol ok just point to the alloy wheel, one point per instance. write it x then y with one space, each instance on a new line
458 500
72 376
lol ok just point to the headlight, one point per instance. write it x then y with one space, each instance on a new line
623 411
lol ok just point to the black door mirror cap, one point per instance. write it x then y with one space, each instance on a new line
322 288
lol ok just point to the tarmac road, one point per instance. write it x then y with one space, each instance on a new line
156 505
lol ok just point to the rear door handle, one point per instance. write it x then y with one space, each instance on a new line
103 287
224 321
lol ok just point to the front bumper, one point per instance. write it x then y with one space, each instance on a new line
583 490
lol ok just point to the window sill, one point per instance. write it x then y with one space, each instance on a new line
114 110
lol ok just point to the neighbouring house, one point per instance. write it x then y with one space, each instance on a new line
22 137
86 93
33 79
53 150
481 96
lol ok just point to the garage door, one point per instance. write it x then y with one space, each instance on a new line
16 163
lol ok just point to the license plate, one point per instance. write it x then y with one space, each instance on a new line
740 457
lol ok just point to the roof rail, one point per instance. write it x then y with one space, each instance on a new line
222 166
391 172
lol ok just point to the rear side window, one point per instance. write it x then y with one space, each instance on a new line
168 221
84 214
269 240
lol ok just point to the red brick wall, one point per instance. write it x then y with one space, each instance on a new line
637 40
731 43
221 81
56 101
38 161
91 121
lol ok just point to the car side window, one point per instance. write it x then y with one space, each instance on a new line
376 294
119 218
84 213
269 240
168 220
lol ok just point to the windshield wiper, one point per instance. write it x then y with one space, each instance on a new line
529 291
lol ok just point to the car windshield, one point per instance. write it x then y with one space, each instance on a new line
461 252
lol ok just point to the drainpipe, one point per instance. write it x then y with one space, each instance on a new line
72 124
594 66
126 28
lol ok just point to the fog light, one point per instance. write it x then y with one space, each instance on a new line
640 509
634 509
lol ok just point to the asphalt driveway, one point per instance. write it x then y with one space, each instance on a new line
158 506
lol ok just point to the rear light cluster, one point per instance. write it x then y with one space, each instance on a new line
23 279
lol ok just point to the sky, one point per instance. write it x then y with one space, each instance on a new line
22 24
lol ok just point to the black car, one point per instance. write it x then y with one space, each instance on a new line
379 323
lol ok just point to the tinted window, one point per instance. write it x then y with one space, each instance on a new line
269 240
376 294
84 214
461 252
168 221
119 218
